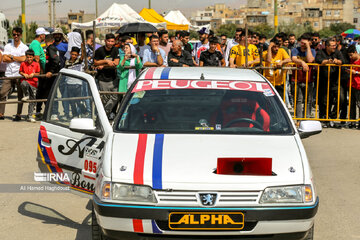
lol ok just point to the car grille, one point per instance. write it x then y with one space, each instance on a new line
224 199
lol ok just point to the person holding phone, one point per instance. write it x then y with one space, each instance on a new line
129 67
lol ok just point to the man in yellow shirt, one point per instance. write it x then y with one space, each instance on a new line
237 54
276 57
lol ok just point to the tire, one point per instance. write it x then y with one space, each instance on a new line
310 235
96 232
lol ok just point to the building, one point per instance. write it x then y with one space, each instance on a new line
80 17
312 15
217 15
356 20
258 12
290 11
217 22
316 13
202 17
322 13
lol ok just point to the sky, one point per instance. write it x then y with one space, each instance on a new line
37 10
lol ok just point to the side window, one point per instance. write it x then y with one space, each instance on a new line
71 98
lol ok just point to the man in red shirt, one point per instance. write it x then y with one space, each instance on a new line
29 69
355 83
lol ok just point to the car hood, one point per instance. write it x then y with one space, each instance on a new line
188 161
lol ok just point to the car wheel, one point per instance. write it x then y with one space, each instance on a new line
310 235
96 232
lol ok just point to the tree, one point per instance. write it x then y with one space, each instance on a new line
338 28
193 35
264 29
10 32
297 29
326 32
30 29
64 29
17 23
288 28
227 29
9 29
335 29
30 32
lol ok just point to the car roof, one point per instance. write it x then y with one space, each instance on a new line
203 73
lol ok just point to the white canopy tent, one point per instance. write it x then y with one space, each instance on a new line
114 17
177 17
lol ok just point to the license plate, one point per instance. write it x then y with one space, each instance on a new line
206 221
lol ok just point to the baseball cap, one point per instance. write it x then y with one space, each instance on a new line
204 30
41 31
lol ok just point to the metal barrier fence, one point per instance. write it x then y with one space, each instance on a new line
311 78
44 100
336 102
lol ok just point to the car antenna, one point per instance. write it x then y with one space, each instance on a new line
202 76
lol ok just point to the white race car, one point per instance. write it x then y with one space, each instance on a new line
194 153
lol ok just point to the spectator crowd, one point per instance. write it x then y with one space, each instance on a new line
118 62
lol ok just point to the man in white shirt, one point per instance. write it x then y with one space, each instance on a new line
202 45
14 54
232 43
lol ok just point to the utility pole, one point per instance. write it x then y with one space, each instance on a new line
96 8
23 21
276 25
54 15
246 45
49 3
149 4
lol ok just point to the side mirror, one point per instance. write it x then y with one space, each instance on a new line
86 126
309 128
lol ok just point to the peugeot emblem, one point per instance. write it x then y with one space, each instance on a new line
208 199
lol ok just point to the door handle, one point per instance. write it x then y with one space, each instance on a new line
46 142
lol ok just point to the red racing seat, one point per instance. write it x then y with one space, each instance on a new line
237 107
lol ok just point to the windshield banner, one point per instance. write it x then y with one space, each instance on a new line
201 84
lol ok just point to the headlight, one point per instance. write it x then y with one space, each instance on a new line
129 193
287 194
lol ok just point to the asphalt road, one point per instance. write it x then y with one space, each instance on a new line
334 157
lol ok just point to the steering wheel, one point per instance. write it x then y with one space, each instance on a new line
247 120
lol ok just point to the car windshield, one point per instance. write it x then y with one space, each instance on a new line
210 108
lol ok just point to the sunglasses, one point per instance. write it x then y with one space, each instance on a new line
223 39
16 34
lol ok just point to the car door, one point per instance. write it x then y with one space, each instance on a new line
68 153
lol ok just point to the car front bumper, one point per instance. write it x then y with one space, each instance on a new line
150 222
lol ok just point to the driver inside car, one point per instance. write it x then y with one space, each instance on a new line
240 110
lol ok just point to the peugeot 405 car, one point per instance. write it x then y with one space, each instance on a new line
193 153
